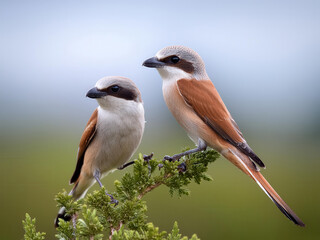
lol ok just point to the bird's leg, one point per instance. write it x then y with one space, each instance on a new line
125 165
146 158
182 166
201 147
97 177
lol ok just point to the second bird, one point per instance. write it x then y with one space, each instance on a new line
197 106
111 136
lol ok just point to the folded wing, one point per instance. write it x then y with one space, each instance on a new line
205 100
87 136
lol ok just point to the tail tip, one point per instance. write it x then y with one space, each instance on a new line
289 214
300 223
61 215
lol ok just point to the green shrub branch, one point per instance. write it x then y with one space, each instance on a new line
94 217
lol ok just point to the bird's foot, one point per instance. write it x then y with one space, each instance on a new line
168 158
112 199
160 165
182 167
147 158
171 159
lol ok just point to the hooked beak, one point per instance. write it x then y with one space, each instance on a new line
96 93
153 63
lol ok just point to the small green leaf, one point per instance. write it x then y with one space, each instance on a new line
30 229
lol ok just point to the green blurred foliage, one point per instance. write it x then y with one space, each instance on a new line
30 230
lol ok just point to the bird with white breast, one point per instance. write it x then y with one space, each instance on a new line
197 106
112 135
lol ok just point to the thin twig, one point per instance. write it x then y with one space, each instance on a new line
113 230
151 187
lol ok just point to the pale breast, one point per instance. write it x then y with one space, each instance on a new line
119 135
183 113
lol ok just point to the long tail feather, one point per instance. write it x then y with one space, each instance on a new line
245 164
78 191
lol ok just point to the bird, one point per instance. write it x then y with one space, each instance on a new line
197 106
111 136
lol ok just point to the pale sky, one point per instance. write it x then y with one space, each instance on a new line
263 56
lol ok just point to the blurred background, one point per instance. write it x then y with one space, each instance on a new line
263 57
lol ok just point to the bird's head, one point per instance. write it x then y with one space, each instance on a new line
115 91
176 62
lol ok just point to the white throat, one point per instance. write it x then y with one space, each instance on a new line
173 74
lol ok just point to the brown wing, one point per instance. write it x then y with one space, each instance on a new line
205 100
85 140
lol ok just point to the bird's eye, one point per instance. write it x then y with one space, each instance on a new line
115 88
175 59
